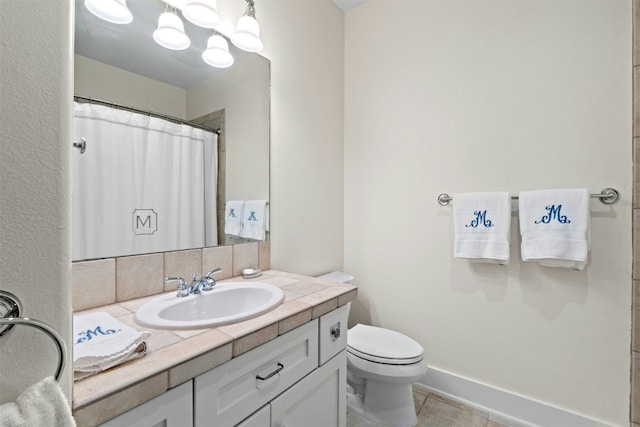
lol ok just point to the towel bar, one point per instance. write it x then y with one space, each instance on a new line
11 308
607 196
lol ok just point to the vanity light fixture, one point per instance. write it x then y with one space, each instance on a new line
247 34
203 13
217 52
170 32
114 11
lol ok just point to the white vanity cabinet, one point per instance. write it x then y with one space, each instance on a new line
318 400
171 409
296 379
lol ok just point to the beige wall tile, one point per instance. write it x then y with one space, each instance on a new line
635 387
264 255
636 101
636 244
636 172
245 256
636 32
182 264
348 297
635 326
93 283
159 338
290 323
303 288
139 276
199 365
121 402
251 341
219 256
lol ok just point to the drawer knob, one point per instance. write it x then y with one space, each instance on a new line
277 371
335 332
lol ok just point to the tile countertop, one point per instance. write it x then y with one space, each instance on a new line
175 356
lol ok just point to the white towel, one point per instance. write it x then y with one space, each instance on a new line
42 404
481 223
101 342
254 220
555 227
233 217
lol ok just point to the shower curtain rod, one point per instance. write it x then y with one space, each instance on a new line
78 98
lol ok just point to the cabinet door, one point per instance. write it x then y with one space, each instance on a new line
229 393
171 409
318 400
262 418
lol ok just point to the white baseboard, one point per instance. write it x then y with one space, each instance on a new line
502 405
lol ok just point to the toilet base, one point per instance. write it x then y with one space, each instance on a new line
385 403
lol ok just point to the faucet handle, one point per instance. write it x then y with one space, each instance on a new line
183 288
214 271
208 281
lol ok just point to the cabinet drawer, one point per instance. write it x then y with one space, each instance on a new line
229 393
333 332
171 409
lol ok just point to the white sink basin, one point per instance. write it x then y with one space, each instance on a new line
226 303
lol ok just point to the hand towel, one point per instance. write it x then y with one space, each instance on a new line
233 217
481 223
101 342
42 404
254 220
555 227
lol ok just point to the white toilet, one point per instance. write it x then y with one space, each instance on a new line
381 366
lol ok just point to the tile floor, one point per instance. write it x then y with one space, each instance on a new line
437 411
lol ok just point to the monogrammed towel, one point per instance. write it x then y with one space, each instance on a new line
555 227
255 219
233 212
481 224
101 342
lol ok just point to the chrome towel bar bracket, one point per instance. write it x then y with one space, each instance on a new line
608 196
10 309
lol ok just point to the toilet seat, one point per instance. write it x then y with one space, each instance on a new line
383 346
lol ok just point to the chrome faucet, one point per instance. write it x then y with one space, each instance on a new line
210 282
183 288
205 283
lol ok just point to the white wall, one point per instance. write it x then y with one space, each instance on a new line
93 79
243 91
492 95
35 109
304 41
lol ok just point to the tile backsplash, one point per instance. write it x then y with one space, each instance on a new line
106 281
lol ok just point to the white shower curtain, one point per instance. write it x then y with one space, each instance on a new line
143 185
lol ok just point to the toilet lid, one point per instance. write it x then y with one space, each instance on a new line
383 345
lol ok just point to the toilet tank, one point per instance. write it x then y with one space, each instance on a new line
337 276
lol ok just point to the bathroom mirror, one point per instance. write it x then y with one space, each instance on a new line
122 64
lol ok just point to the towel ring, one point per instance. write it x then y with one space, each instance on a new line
11 307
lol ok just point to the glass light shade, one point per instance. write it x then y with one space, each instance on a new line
202 13
170 32
114 11
247 34
217 53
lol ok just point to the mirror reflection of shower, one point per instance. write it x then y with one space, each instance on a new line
121 64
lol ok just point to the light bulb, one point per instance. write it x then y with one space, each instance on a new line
170 32
247 34
202 13
217 53
114 11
